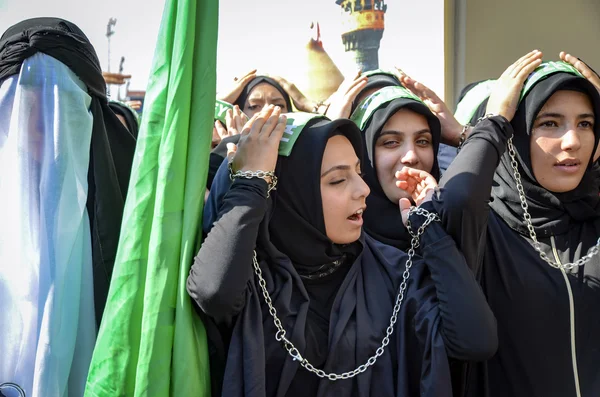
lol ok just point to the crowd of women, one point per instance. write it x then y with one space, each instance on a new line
373 244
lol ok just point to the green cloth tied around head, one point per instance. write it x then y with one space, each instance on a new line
368 106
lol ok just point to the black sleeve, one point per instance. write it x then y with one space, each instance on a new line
219 276
462 200
468 325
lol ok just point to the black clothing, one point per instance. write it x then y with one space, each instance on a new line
529 298
338 322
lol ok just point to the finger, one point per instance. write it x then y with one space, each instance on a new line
250 73
246 79
424 195
413 172
279 129
238 121
229 119
511 68
355 90
261 120
409 185
359 81
528 69
583 68
231 150
271 122
221 131
216 138
404 209
248 126
532 57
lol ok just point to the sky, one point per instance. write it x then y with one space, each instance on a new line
269 35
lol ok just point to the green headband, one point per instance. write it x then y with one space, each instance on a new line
295 124
546 69
369 105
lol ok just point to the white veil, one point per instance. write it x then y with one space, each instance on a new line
47 323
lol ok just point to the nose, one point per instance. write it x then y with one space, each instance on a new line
361 190
570 140
410 158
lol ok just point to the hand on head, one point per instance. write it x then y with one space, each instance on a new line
340 102
506 94
259 143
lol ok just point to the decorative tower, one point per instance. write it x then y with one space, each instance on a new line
364 25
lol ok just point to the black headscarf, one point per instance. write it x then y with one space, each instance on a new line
241 101
298 199
292 238
112 146
551 213
131 120
382 219
376 81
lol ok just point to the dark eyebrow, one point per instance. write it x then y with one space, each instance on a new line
392 132
339 167
549 114
560 116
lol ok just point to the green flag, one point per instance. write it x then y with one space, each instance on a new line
151 343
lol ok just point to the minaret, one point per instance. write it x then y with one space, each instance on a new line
363 27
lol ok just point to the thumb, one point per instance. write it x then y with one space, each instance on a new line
404 209
231 149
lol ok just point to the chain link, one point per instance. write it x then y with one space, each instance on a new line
281 337
268 176
593 251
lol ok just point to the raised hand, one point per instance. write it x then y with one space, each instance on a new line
301 102
451 128
506 94
340 102
583 68
419 184
232 94
235 120
259 142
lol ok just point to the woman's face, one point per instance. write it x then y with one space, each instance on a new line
562 141
264 95
405 141
343 191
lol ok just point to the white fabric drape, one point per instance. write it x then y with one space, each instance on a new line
47 324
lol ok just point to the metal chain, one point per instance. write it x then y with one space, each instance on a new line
265 175
593 251
280 335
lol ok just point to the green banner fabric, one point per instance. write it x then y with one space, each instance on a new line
151 342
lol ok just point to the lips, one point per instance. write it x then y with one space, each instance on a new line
568 165
357 216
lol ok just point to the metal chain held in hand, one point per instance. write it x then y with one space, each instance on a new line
281 337
593 251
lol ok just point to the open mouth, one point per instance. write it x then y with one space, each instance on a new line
357 216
